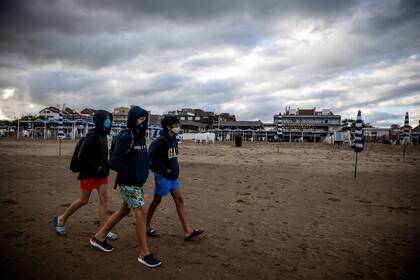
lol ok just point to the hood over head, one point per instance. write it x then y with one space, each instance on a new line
99 118
134 113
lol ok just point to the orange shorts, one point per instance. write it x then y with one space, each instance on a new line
92 183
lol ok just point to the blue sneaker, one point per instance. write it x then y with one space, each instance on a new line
149 261
104 246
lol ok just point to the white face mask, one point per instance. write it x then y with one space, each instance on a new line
176 130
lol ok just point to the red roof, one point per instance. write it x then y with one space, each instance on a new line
306 112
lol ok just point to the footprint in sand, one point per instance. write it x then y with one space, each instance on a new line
15 233
10 201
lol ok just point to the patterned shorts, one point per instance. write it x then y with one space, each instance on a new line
133 196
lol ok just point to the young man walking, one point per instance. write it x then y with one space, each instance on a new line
164 163
131 162
93 160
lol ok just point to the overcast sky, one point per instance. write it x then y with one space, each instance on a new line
249 58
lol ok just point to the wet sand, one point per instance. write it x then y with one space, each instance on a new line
296 214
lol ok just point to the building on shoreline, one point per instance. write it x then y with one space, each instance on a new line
308 124
120 114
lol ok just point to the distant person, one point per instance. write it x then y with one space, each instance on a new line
130 160
164 163
92 161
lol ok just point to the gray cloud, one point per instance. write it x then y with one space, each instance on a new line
250 57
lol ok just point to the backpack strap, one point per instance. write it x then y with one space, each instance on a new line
126 153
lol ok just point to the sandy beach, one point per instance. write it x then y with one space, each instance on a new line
296 214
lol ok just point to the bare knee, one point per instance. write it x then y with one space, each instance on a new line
157 200
124 211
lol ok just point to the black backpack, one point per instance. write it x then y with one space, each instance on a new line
75 164
152 151
114 144
115 139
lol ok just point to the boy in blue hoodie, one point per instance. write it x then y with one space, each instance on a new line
130 160
166 167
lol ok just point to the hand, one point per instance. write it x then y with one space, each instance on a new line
168 171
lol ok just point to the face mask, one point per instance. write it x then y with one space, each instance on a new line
142 128
176 130
107 123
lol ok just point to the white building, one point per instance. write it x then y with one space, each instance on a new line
50 113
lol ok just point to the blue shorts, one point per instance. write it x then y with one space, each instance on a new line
164 185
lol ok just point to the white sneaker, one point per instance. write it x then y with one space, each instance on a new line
111 236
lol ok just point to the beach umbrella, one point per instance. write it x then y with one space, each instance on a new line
279 131
30 123
30 128
60 134
358 138
406 133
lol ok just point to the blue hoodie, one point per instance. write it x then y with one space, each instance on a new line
166 156
132 167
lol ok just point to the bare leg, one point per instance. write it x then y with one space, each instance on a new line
152 208
141 230
74 206
103 204
182 213
112 221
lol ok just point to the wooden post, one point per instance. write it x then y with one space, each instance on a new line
404 150
355 167
59 147
18 128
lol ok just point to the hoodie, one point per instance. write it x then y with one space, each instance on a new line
132 167
166 156
94 150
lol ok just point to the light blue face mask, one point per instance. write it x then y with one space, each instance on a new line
107 123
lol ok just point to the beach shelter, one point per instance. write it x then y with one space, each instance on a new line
279 131
406 133
358 139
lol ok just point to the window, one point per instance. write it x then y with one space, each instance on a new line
197 118
190 118
326 121
182 118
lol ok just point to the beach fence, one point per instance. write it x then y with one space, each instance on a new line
51 129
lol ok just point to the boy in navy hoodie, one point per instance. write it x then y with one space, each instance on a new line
130 160
166 167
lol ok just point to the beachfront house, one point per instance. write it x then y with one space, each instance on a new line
415 135
120 114
374 134
50 113
308 124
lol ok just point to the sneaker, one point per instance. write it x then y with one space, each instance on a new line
104 246
149 261
111 236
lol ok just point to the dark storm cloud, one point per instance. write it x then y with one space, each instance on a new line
171 54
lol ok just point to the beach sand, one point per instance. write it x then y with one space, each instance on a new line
296 214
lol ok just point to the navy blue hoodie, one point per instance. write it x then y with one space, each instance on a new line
166 155
132 167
